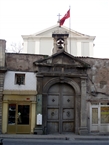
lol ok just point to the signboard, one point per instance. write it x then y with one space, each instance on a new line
39 119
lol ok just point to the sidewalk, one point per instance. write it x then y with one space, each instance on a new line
55 137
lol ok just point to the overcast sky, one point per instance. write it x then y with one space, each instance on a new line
90 17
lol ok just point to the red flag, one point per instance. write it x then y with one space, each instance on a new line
66 16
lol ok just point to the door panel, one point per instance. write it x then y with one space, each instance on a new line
94 119
53 127
68 101
94 115
19 118
68 126
53 114
68 114
23 119
60 108
53 100
23 114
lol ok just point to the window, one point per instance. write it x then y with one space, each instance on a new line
20 79
104 115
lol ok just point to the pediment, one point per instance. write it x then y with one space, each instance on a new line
49 31
62 59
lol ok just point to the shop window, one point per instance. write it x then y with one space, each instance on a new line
20 79
11 113
22 114
104 115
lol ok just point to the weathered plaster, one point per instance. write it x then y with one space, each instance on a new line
98 78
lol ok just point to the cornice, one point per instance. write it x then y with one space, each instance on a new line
19 92
27 37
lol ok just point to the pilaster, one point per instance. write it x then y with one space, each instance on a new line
38 128
83 115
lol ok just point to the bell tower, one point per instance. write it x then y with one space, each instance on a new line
60 40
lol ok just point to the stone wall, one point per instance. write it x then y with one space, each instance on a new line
22 62
98 74
98 78
2 72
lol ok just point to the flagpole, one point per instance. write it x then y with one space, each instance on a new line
59 19
70 30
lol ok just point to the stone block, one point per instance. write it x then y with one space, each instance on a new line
83 131
38 131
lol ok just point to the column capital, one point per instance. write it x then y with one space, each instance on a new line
83 77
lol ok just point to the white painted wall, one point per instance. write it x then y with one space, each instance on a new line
30 81
45 46
42 42
31 46
37 46
85 49
79 48
91 49
72 46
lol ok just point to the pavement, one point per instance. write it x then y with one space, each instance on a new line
56 136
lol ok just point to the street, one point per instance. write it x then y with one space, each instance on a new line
53 142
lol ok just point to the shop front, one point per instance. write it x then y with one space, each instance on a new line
99 114
18 114
19 117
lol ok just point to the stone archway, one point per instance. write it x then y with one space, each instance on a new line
67 109
62 80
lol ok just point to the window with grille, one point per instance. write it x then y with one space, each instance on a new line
20 79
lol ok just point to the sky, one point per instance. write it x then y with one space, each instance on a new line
25 17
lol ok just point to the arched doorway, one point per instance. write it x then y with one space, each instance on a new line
60 108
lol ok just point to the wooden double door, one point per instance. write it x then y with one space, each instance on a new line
18 117
60 109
